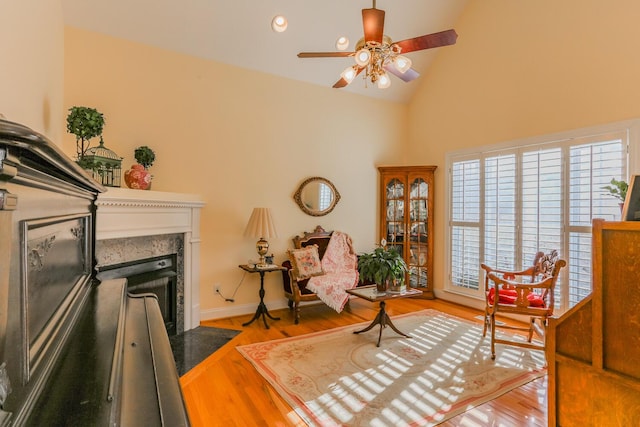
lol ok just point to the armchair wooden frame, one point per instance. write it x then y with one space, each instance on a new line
542 277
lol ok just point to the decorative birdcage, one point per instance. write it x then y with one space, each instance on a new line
105 165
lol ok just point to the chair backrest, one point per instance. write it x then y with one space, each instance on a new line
545 264
548 266
318 237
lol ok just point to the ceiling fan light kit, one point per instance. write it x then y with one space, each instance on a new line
377 55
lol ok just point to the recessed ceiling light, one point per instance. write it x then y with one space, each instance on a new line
279 23
342 43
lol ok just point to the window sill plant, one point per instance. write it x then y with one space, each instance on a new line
617 189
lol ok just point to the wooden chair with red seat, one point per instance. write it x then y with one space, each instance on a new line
528 292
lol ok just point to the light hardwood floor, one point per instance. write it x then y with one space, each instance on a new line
225 389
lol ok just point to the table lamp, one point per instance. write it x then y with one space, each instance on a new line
261 226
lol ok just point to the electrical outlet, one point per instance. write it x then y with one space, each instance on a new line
217 288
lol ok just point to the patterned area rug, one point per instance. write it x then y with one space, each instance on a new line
335 377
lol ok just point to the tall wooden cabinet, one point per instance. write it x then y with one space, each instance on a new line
593 349
406 220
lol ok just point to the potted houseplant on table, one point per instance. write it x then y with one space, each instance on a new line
139 177
85 123
385 267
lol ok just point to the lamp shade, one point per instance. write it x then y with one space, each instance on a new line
261 224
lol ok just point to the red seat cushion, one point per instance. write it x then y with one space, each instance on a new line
509 296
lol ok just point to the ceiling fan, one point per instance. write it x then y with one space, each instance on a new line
377 55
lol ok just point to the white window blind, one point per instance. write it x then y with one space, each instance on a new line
508 204
465 221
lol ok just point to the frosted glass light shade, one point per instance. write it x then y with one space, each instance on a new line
348 74
384 81
279 23
363 56
402 63
342 43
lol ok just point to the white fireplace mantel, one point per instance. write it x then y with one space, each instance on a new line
126 213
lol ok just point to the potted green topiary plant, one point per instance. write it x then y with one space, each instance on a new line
144 156
385 267
138 177
85 123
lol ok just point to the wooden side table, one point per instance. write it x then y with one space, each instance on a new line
382 318
262 308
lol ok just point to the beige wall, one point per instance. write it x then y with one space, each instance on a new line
240 139
31 70
522 69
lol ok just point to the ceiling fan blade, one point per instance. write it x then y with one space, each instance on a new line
324 54
409 75
373 23
342 82
443 38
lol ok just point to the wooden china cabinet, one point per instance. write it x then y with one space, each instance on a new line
406 220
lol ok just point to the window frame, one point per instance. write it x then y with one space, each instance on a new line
563 140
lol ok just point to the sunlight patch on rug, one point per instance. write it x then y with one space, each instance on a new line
336 377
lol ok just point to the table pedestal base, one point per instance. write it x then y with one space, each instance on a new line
261 311
383 320
262 308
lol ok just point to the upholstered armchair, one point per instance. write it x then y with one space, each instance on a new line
310 250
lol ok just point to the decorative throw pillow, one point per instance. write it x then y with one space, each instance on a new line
305 262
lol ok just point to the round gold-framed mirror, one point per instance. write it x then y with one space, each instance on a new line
316 196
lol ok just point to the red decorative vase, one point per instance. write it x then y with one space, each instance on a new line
138 178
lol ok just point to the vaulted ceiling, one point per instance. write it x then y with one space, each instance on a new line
238 32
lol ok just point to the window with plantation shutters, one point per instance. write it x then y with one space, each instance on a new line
507 203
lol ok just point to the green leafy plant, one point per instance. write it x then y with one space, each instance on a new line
144 156
617 189
85 123
382 265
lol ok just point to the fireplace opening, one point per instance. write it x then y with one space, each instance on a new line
157 275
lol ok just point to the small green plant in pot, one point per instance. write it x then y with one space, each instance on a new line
385 267
138 177
85 123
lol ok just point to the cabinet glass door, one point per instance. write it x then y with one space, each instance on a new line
394 216
418 238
